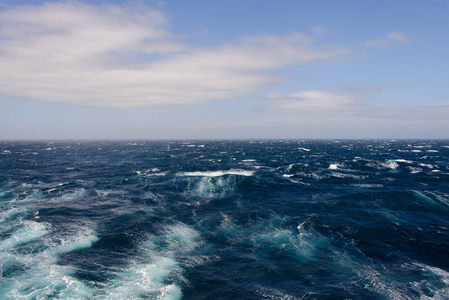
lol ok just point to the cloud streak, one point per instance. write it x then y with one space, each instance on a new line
393 36
316 104
112 56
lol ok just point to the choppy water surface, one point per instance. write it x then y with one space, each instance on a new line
224 220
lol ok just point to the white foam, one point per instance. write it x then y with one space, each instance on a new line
82 241
288 175
414 170
212 187
73 196
29 231
333 167
391 164
344 175
426 165
402 161
11 214
42 277
304 149
156 174
146 275
367 185
143 279
218 173
35 195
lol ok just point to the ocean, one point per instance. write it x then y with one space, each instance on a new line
224 219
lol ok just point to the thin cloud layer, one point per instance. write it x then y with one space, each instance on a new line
310 101
113 56
393 36
317 104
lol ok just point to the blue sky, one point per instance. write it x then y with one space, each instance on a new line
223 69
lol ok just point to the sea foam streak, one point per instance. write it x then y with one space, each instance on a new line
218 173
147 274
42 277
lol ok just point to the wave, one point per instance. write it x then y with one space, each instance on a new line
27 232
147 275
218 173
74 195
37 274
11 213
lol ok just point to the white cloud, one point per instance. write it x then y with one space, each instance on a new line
318 30
313 101
397 37
125 57
347 105
376 43
394 36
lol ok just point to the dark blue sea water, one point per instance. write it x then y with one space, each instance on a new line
224 220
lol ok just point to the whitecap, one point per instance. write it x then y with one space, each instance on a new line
368 185
73 196
414 170
218 173
391 164
211 187
26 197
334 167
402 161
288 175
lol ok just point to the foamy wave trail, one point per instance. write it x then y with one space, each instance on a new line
35 273
28 231
25 197
83 240
147 276
47 280
12 213
74 195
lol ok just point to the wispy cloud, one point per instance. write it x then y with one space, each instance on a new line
318 30
316 104
313 102
393 36
114 56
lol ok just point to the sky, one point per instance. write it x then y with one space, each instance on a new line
228 69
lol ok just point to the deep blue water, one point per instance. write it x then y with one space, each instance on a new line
224 220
